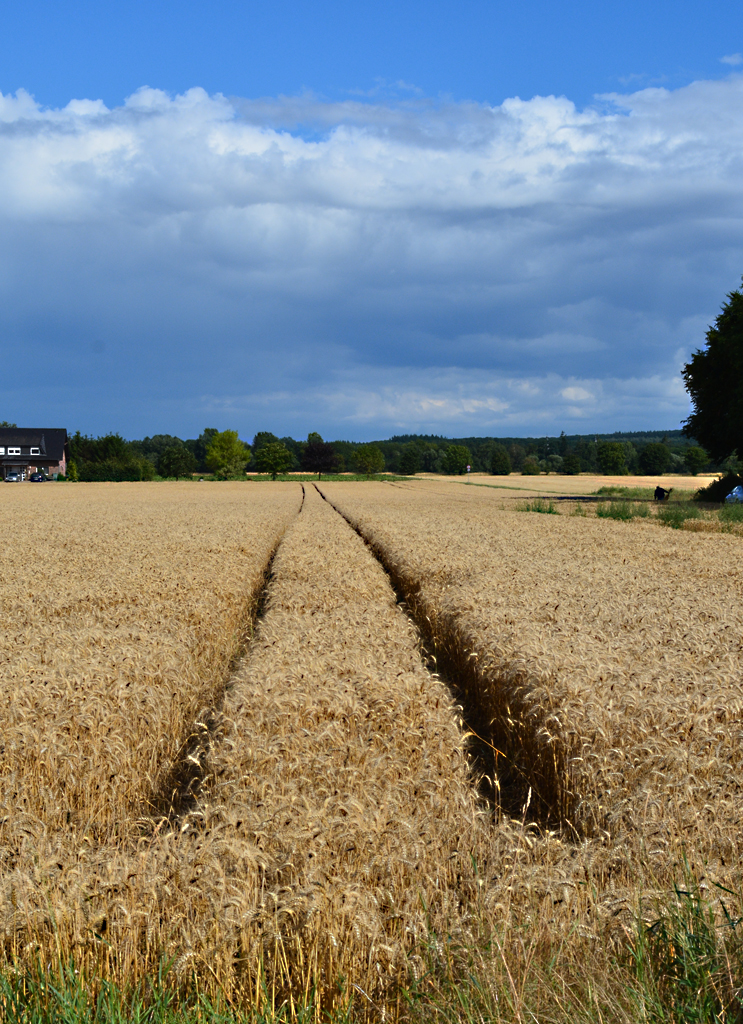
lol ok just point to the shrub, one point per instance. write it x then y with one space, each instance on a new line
676 515
530 467
539 505
621 510
129 469
718 490
732 513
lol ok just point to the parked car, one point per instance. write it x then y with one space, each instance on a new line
12 478
37 478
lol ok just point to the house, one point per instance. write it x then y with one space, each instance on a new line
30 450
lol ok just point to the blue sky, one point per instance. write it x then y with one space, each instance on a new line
364 219
460 49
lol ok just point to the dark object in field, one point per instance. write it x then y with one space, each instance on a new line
661 494
719 489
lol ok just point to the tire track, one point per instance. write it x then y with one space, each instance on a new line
178 792
533 792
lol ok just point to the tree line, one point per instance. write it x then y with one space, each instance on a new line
218 452
224 455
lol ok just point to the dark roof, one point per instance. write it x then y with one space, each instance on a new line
50 441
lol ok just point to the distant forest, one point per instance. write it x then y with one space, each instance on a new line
111 457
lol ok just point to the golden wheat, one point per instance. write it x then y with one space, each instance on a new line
121 613
335 810
336 829
339 800
608 657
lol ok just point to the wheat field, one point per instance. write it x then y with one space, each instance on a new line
123 608
605 657
458 742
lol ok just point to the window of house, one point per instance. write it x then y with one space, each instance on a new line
14 451
36 451
2 451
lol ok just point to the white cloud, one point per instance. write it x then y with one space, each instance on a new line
732 58
574 394
366 265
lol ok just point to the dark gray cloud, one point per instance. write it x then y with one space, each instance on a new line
289 264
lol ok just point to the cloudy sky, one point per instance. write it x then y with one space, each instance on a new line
364 220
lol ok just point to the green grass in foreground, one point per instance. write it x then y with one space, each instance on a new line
538 505
732 513
62 996
622 510
685 967
676 514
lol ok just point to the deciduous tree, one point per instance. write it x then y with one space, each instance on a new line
714 379
274 458
611 458
695 459
456 459
500 464
318 456
176 461
369 459
410 460
227 456
654 459
198 447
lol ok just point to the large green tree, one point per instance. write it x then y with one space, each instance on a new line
319 456
262 438
611 458
198 447
456 459
695 459
274 458
369 459
654 458
227 456
714 379
176 461
500 464
410 460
